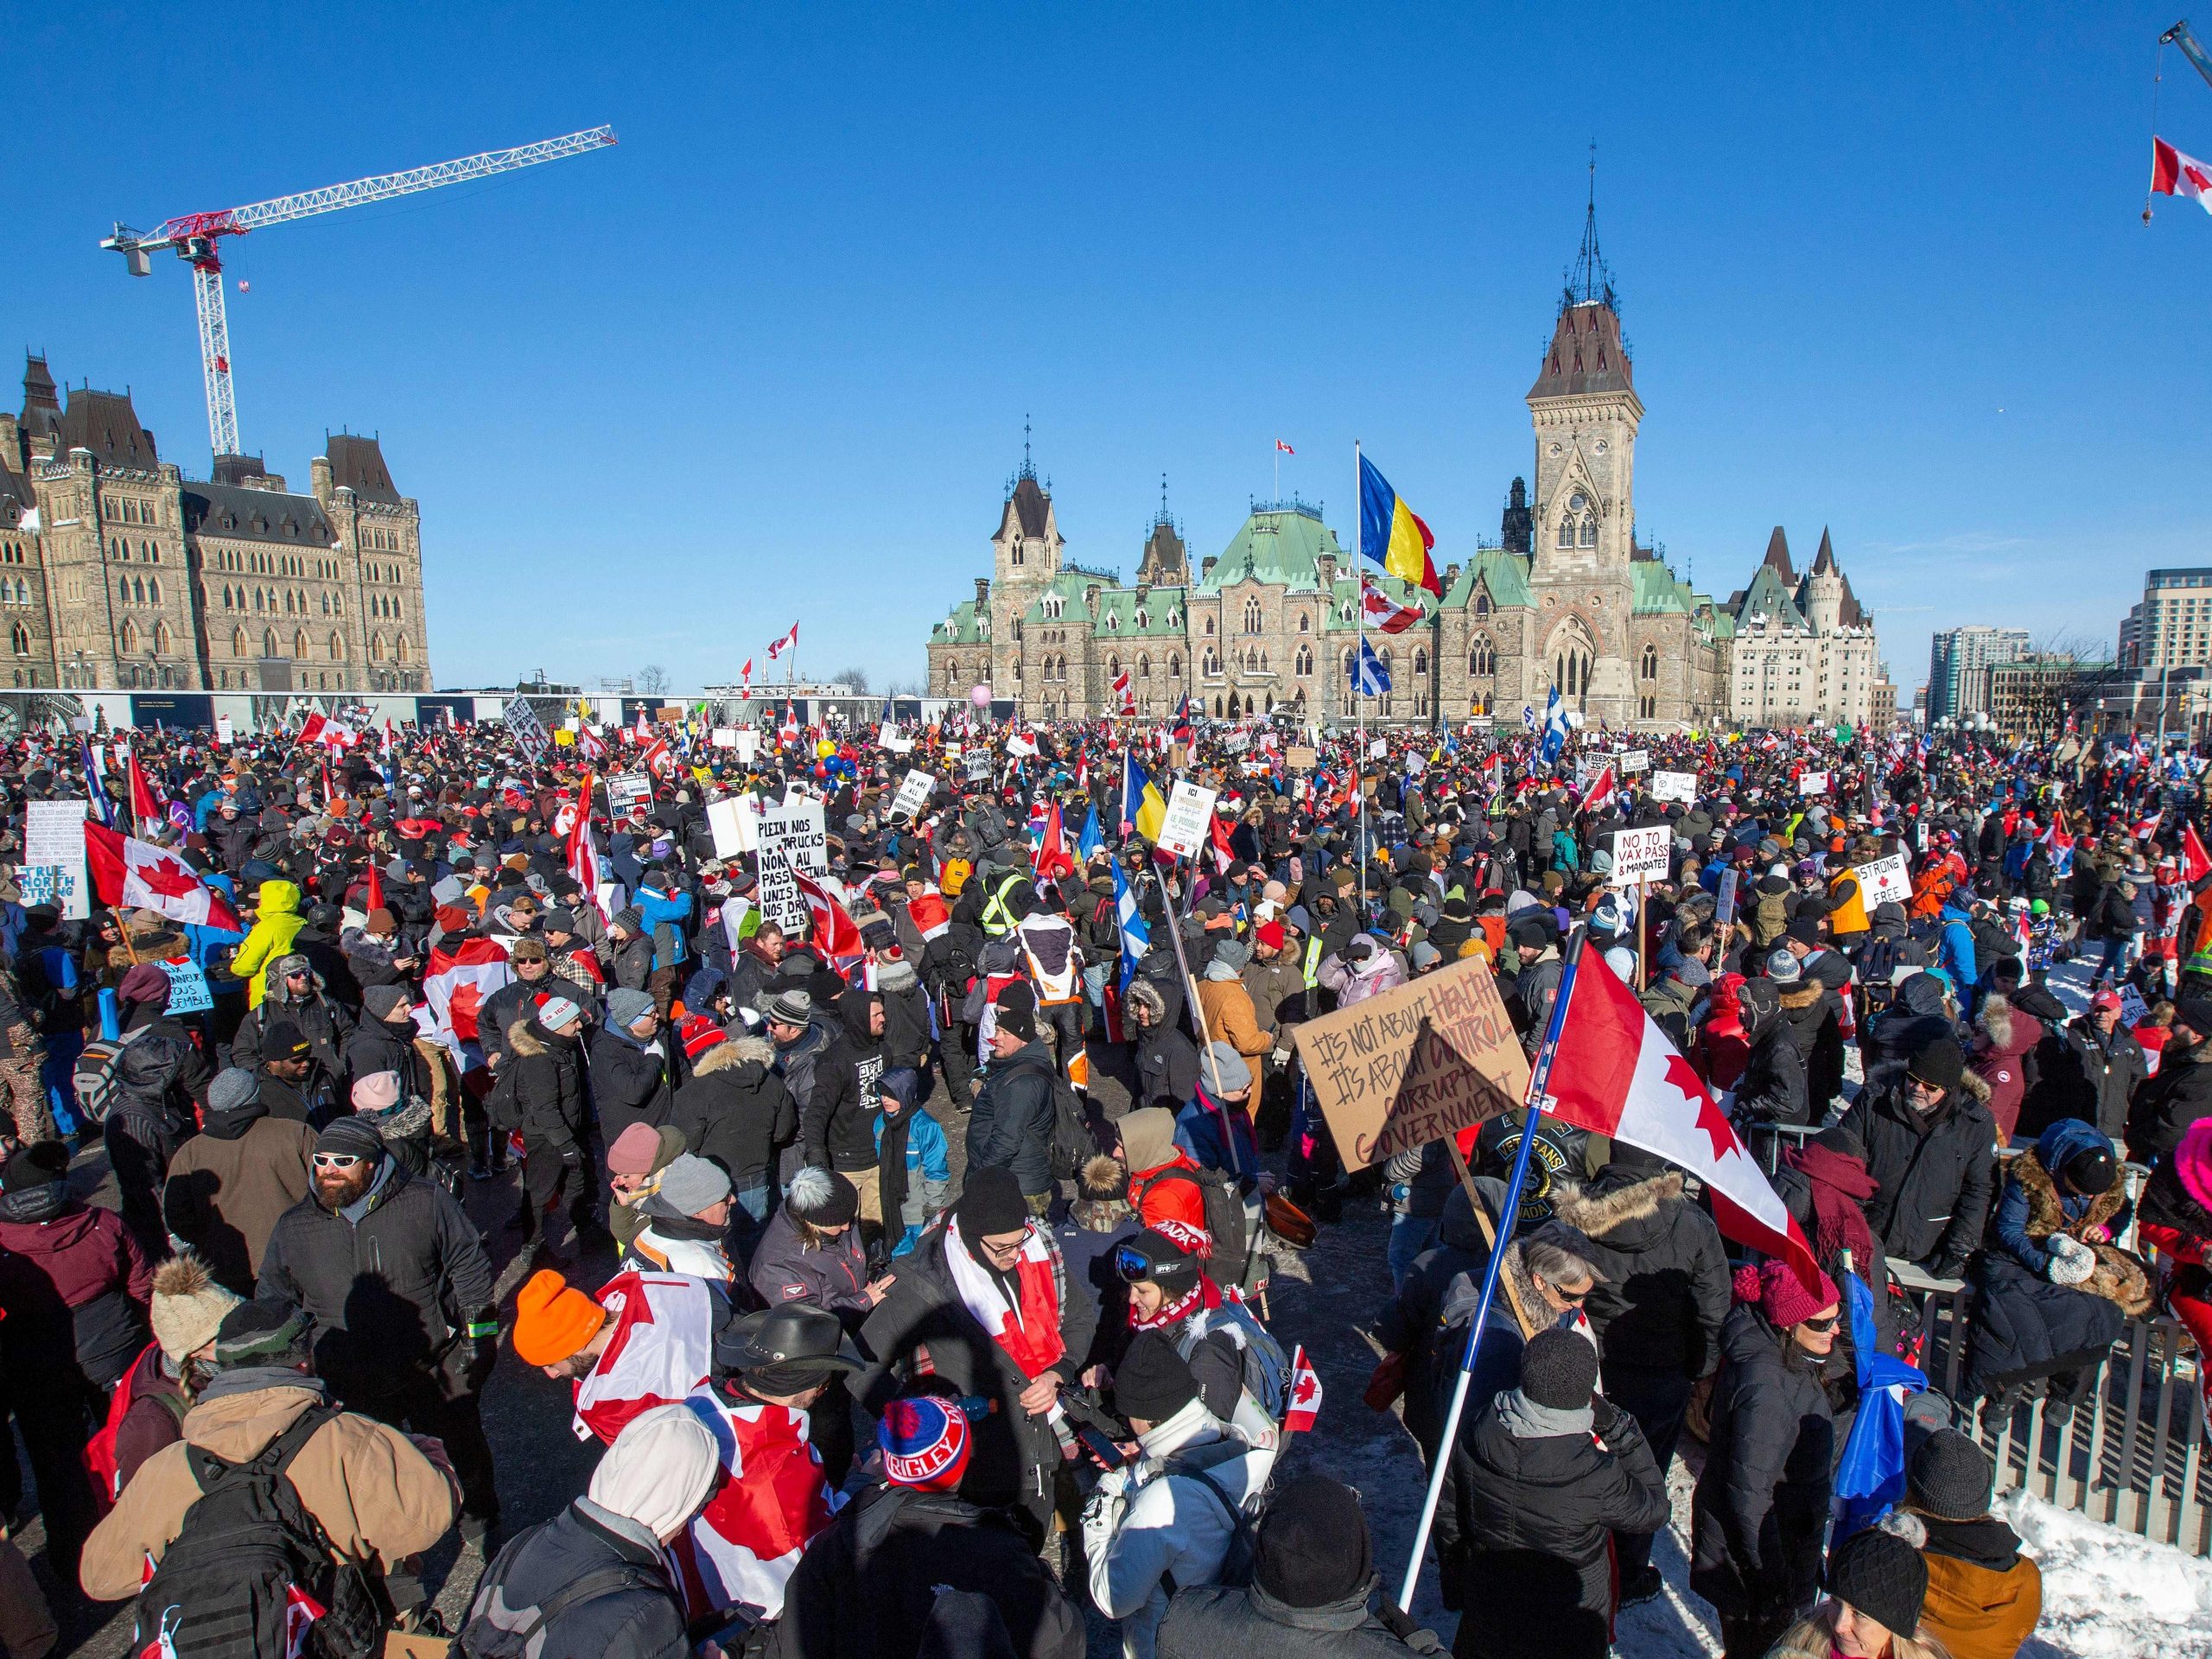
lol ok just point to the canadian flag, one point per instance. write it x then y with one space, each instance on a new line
137 873
788 732
1125 700
645 728
657 760
331 733
1054 858
661 1349
1601 793
583 854
588 745
1614 1073
460 981
1384 613
2173 174
1285 448
1305 1402
2149 827
788 642
145 805
835 934
2196 863
745 681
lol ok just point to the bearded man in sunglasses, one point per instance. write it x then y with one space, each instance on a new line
406 1327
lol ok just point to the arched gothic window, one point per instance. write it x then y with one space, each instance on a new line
1420 660
1651 662
1590 530
1482 660
1251 616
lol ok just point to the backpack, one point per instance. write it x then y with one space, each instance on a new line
1266 1372
100 1451
1992 939
231 1585
97 1073
1073 1144
1876 968
484 1638
1225 1221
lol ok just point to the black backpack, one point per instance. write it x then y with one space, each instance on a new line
1877 967
1225 1221
228 1587
485 1637
1073 1144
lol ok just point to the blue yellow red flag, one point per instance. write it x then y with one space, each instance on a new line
1392 534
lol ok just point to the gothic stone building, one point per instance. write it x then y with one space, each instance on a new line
117 571
1805 651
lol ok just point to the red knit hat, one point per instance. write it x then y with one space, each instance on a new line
1270 934
1782 1296
698 1034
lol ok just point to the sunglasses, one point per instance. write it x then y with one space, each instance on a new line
335 1160
1572 1298
1827 1324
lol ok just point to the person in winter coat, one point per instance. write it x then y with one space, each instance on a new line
685 1221
540 1092
1773 1088
2053 1290
1876 1584
1314 1582
649 1485
2090 1069
912 1174
277 922
1240 1368
397 1281
1761 1505
166 1380
1011 1126
865 1586
1984 1596
1658 1305
292 990
1931 1149
628 951
1362 970
2165 1106
73 1290
150 1116
1825 1187
1166 1061
952 1300
736 1112
376 1497
1955 956
812 1254
1546 1471
2003 1038
384 1041
1164 1183
228 1184
1921 1011
534 980
1173 1513
633 1078
1410 1328
1227 1005
838 1128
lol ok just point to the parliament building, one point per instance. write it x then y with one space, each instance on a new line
119 572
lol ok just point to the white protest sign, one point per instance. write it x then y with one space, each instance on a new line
731 824
1883 880
748 745
1812 783
1377 749
724 737
1725 912
223 729
892 743
1641 855
1636 760
1674 786
792 838
54 857
528 730
2134 1011
913 795
1184 830
626 790
53 884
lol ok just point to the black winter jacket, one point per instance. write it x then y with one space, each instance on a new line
1211 1621
864 1588
642 1618
735 1109
377 1045
2165 1106
1011 1126
1535 1516
629 1084
1168 1068
1773 1089
1936 1174
391 1293
1664 1294
838 1127
2081 1073
1761 1503
325 1025
832 1276
543 1078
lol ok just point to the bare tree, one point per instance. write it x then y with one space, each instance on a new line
652 680
905 689
853 679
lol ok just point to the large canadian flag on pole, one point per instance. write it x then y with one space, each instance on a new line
137 873
460 981
331 733
835 933
2173 174
1614 1073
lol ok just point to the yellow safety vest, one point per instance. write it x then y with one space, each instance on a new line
998 918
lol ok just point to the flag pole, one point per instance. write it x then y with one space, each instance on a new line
1198 1017
1508 1210
1359 666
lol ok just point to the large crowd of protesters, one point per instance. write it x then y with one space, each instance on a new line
909 1262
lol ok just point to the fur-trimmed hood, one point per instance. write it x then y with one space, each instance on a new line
1597 1213
738 1051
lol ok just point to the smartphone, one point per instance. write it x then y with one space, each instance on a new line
1108 1454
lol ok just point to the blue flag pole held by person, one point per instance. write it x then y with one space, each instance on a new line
1508 1208
1870 1478
1198 1013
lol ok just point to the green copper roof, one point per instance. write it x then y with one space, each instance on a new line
1505 576
1657 591
960 628
1766 596
1117 614
1283 547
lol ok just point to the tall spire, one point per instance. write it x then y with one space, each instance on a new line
1028 467
1591 281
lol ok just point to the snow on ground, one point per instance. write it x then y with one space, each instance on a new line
2108 1594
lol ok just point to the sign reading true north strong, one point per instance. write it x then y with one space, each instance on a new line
1414 1065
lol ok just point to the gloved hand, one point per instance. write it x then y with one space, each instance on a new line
1603 1414
2071 1261
483 1355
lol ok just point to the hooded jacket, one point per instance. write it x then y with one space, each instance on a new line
2035 1205
230 1185
2004 1038
325 1025
1664 1293
642 1618
374 1494
1936 1173
1984 1596
837 1127
1155 1163
544 1071
75 1287
1011 1126
2167 1104
736 1111
277 924
630 1084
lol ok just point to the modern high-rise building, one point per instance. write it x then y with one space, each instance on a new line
1959 663
2172 627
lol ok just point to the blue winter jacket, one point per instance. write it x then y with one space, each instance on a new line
929 1176
1955 957
2054 1148
675 909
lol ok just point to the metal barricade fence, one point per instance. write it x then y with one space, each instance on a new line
2129 1455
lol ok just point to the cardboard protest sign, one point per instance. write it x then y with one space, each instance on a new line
1882 881
1641 855
913 795
223 730
1414 1065
1185 831
528 730
1299 758
1674 786
53 871
626 790
793 836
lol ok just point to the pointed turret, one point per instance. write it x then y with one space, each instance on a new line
1778 557
1824 560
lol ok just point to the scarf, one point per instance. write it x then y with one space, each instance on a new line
1205 1293
1524 1419
892 1130
1030 1334
1840 1185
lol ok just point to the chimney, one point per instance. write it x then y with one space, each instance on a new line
982 592
1451 576
319 476
1327 565
1206 570
1090 600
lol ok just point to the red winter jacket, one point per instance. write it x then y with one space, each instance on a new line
73 1285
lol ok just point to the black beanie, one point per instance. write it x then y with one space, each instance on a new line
1151 1382
1881 1575
2091 1170
37 1165
1558 1370
990 1204
1313 1548
1017 1012
1950 1478
1940 1061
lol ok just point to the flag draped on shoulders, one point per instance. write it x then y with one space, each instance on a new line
460 981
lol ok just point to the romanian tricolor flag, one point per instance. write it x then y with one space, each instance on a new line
1392 535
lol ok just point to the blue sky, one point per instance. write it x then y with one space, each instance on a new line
770 358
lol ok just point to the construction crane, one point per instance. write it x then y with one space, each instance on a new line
2191 47
197 239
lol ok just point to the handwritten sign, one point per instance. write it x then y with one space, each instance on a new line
791 837
913 794
1812 783
1674 786
1301 758
1641 856
57 884
1184 830
529 731
1636 760
54 833
1414 1065
1883 880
